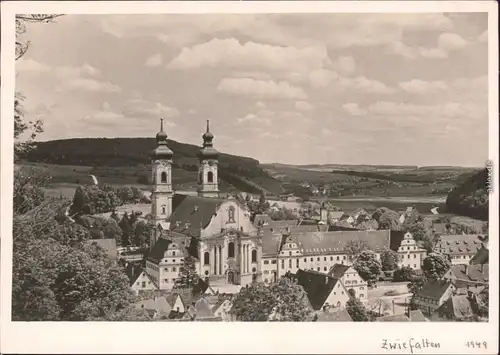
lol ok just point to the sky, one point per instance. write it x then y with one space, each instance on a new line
399 89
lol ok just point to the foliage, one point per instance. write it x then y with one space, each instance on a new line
435 265
355 247
282 214
418 231
284 300
142 233
357 310
28 189
367 266
389 259
404 273
470 198
91 199
187 274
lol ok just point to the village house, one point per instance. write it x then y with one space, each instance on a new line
317 250
139 279
468 275
460 249
323 291
455 308
410 254
222 309
157 307
164 261
433 294
351 280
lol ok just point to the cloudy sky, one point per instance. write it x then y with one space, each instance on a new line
298 89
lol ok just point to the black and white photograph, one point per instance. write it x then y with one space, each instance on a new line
254 166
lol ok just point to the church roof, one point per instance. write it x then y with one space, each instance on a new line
192 213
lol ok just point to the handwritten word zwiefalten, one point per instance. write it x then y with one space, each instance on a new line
411 344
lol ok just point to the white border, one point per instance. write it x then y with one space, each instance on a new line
354 338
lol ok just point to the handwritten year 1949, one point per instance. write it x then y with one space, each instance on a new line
477 344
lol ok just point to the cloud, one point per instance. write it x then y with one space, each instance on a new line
451 42
353 109
260 104
261 117
154 61
345 65
447 42
303 106
260 88
483 37
90 85
231 53
67 71
30 65
144 109
366 85
417 86
320 78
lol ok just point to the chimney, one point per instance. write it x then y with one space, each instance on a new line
466 269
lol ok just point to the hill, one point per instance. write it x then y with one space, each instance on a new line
121 156
470 198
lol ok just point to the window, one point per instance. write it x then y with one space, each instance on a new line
361 295
173 269
289 263
164 177
266 262
230 215
206 272
163 209
338 258
345 257
254 256
273 262
298 263
331 258
143 283
415 255
324 268
266 281
206 258
282 263
318 268
324 259
317 259
266 272
230 250
312 259
290 253
334 293
210 176
166 269
305 260
173 254
415 266
173 262
165 280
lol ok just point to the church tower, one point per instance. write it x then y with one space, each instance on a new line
162 193
207 170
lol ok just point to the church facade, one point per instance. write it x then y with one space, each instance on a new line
217 232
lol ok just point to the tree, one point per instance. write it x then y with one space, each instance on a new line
389 259
404 273
187 274
367 266
435 265
355 247
284 300
113 231
357 310
29 184
142 233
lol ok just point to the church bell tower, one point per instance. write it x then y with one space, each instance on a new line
162 193
208 167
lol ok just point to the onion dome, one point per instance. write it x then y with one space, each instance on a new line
162 151
208 151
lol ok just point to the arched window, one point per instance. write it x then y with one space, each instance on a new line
163 177
163 209
210 176
254 256
206 258
230 250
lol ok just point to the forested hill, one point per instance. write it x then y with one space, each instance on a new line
241 172
471 197
119 152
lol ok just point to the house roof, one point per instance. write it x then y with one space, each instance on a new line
434 289
471 273
317 286
192 213
338 315
463 244
457 306
481 257
159 304
159 249
109 245
336 214
338 270
133 272
417 316
202 309
394 318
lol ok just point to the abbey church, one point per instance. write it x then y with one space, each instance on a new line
217 232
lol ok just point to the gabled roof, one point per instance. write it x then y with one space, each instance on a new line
336 214
457 306
318 286
159 249
338 270
109 245
133 272
339 315
192 213
481 257
394 318
417 316
471 273
434 289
